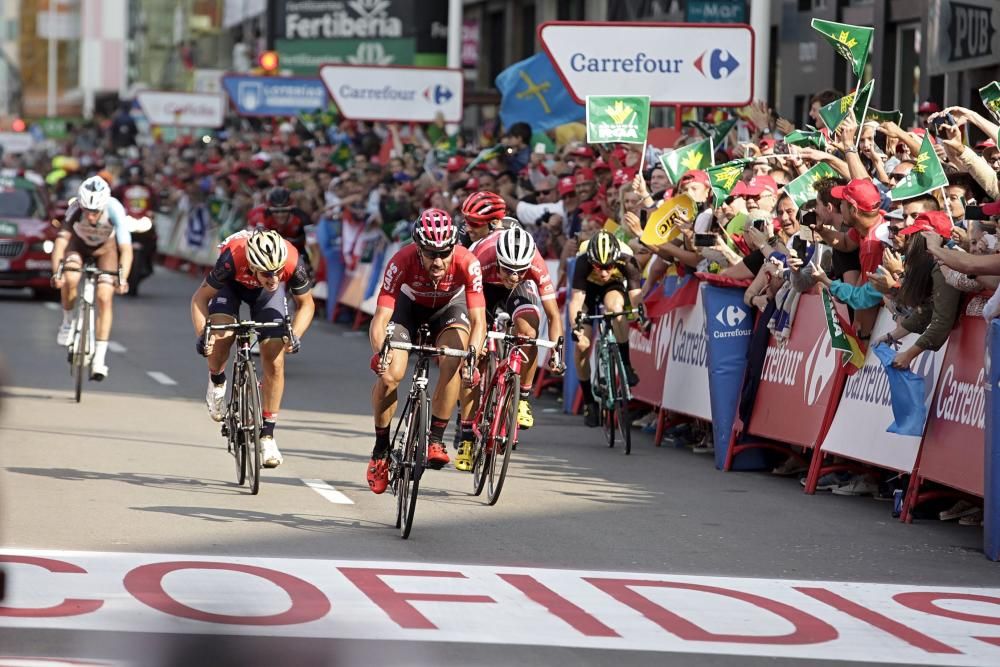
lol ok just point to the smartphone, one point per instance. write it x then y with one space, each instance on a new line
705 240
936 124
809 219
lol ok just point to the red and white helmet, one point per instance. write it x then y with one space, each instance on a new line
435 230
481 208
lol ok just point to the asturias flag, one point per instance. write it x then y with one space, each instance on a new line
850 41
927 174
533 93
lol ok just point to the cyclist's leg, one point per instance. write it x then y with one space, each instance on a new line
71 281
107 260
224 308
523 307
615 301
270 307
450 328
384 395
581 357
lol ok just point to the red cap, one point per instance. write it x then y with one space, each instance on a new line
566 186
860 192
585 175
991 209
456 163
582 151
740 190
471 184
620 178
760 184
696 175
928 107
589 206
599 163
766 143
930 221
984 145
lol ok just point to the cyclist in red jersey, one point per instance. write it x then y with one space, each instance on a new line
515 280
280 215
432 282
483 211
253 268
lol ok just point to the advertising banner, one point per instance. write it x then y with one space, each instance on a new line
676 63
806 373
865 411
685 387
730 323
400 94
952 453
183 109
274 96
991 472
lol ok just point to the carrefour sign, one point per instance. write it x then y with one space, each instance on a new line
673 63
417 94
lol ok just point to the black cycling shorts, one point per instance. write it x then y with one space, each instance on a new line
595 295
521 300
409 317
264 306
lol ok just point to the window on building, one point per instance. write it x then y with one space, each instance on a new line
495 31
907 70
528 27
570 10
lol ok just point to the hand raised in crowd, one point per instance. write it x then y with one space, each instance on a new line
784 126
754 237
934 241
892 261
960 114
760 302
813 154
760 115
848 132
639 186
961 237
819 275
633 224
750 150
881 279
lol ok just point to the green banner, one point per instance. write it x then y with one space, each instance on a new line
834 113
616 119
725 177
304 56
803 138
990 95
927 174
802 189
850 41
694 156
893 116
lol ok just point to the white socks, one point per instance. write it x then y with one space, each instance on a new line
67 318
100 350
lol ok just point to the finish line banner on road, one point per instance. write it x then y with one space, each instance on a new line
395 94
275 96
508 606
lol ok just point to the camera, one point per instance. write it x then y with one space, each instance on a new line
705 240
935 125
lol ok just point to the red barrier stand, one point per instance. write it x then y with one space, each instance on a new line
952 449
799 389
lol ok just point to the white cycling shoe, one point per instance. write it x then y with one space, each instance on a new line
98 371
215 399
269 453
62 338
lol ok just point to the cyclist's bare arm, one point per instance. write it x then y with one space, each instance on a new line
124 260
376 331
575 304
551 308
305 308
199 306
477 334
635 297
59 250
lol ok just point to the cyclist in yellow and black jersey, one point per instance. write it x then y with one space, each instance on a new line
605 273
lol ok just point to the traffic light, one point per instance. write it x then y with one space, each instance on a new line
268 62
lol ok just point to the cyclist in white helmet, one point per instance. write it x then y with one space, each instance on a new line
94 227
516 280
253 268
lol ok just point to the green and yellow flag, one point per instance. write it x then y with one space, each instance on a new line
617 119
842 336
894 116
803 138
990 95
927 174
725 177
834 113
850 41
693 156
802 188
861 101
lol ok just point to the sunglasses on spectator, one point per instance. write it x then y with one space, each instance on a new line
546 192
894 176
436 254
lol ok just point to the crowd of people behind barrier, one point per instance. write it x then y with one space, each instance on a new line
927 260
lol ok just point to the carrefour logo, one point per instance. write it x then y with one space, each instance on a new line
719 63
438 94
821 366
731 316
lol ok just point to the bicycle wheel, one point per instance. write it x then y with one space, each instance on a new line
233 425
605 387
251 425
398 457
80 351
413 464
505 428
482 451
621 394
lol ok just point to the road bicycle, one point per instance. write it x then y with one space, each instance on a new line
610 383
495 425
82 341
242 421
408 453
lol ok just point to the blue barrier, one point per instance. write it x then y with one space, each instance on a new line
570 380
728 326
991 465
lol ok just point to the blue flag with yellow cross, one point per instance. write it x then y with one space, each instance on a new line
533 93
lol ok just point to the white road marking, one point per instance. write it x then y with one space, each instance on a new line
910 624
162 378
328 492
117 347
52 305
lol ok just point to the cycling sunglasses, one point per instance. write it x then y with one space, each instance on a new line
514 272
604 267
437 254
268 274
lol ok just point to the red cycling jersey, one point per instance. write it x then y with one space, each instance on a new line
293 229
232 266
137 198
406 275
538 272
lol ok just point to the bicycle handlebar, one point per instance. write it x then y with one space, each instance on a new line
640 310
516 339
88 268
428 350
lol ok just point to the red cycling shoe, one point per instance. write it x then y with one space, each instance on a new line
378 475
437 456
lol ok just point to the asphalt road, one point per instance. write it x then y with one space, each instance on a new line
137 474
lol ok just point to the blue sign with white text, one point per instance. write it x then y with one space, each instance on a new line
274 95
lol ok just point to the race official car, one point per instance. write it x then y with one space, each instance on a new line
26 236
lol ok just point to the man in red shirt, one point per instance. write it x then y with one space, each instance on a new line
253 268
435 282
860 206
